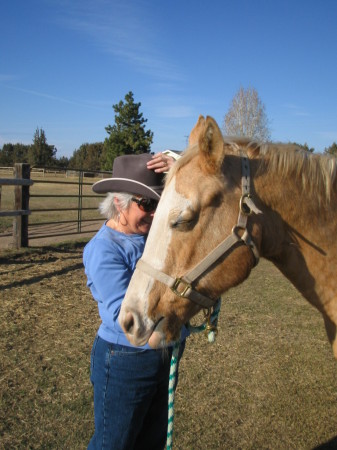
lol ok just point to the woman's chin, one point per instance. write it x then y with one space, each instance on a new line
143 229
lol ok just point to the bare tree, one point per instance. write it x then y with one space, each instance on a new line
247 116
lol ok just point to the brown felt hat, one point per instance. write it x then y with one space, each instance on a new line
130 174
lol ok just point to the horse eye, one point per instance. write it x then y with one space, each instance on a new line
184 220
174 223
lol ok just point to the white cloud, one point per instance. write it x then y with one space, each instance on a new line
296 110
95 105
123 30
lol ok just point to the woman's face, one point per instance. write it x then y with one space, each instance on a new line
134 220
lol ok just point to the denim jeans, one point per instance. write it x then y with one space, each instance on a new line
130 396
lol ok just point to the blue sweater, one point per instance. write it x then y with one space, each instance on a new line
110 258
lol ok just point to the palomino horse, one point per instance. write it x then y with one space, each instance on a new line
244 200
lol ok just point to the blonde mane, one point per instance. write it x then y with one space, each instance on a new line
317 172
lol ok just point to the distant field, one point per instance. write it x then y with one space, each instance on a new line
53 188
268 382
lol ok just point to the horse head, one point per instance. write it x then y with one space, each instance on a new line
198 210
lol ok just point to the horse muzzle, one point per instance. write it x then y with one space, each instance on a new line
139 331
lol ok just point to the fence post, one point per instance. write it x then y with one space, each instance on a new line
21 202
80 197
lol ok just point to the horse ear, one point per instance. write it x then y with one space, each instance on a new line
195 133
211 146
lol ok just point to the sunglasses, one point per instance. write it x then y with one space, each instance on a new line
146 204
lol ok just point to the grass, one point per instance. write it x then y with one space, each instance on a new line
45 335
270 378
268 382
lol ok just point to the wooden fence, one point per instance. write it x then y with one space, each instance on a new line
21 183
21 211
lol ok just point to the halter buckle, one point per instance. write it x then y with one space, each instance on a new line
245 209
175 286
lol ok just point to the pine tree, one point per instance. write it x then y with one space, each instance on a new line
332 150
127 136
41 154
13 153
87 157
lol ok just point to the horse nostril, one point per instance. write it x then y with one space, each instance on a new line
129 322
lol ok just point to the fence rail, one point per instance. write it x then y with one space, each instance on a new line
19 212
16 182
22 231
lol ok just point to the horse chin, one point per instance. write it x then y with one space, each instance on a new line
157 340
163 335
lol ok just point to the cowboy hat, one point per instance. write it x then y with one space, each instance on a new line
130 174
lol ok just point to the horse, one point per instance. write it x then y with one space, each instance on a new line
227 202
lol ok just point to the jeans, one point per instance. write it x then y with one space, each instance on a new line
130 396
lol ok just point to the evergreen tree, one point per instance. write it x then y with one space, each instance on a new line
332 150
40 153
62 163
127 136
87 157
6 155
13 153
304 146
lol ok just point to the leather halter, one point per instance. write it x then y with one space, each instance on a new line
183 286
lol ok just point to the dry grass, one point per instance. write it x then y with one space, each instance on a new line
47 324
269 381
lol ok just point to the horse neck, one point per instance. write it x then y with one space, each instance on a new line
298 234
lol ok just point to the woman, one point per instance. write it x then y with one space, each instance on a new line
130 383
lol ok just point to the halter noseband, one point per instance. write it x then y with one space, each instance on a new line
183 286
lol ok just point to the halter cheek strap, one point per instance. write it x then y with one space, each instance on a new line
183 286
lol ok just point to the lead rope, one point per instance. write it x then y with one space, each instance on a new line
171 392
210 326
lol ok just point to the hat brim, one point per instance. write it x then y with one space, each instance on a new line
128 186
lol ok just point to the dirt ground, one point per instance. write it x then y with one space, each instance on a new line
268 382
41 235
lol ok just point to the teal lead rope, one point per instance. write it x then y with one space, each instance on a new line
210 326
171 392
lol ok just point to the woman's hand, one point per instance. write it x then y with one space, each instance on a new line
160 163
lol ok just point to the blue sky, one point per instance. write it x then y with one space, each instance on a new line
64 63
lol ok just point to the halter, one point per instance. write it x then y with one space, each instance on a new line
183 286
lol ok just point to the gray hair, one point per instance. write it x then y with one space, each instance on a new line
108 208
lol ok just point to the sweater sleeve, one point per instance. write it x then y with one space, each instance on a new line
108 278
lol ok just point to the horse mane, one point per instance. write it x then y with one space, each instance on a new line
317 172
